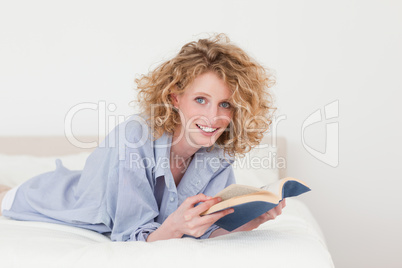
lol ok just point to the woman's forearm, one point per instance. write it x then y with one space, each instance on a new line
163 233
219 232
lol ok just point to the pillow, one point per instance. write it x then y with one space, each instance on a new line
15 169
258 168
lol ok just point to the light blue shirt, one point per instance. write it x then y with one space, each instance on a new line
126 188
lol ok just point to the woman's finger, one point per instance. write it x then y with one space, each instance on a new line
278 210
211 218
192 200
272 213
206 205
196 211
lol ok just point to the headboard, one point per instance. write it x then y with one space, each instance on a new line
43 145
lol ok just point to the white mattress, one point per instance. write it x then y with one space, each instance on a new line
293 239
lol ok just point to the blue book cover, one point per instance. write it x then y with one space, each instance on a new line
250 202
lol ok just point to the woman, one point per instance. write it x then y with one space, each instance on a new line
155 173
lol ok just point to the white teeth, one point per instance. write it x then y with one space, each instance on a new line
207 129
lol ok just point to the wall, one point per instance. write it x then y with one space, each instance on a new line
348 53
57 55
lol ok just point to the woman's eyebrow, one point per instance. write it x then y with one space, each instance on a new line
202 93
205 94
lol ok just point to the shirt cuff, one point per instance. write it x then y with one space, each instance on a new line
206 235
209 231
142 233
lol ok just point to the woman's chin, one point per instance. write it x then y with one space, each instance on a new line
199 140
205 141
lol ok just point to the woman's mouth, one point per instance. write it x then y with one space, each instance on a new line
206 129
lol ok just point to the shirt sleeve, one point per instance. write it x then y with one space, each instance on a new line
142 232
132 207
130 200
208 233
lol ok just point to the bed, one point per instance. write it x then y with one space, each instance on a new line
293 239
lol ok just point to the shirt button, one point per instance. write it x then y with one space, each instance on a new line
171 199
198 182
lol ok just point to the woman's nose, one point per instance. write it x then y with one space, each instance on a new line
212 114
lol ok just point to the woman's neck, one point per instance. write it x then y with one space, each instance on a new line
181 152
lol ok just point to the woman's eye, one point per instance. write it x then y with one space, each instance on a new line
225 105
200 100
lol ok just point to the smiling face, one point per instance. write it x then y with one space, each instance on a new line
204 109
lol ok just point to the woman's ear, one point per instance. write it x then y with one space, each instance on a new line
175 100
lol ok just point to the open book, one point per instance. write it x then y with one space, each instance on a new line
250 202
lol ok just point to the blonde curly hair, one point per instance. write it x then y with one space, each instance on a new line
249 82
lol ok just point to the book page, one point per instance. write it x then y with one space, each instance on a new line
236 190
275 188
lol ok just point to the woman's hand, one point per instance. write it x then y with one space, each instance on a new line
251 225
187 220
